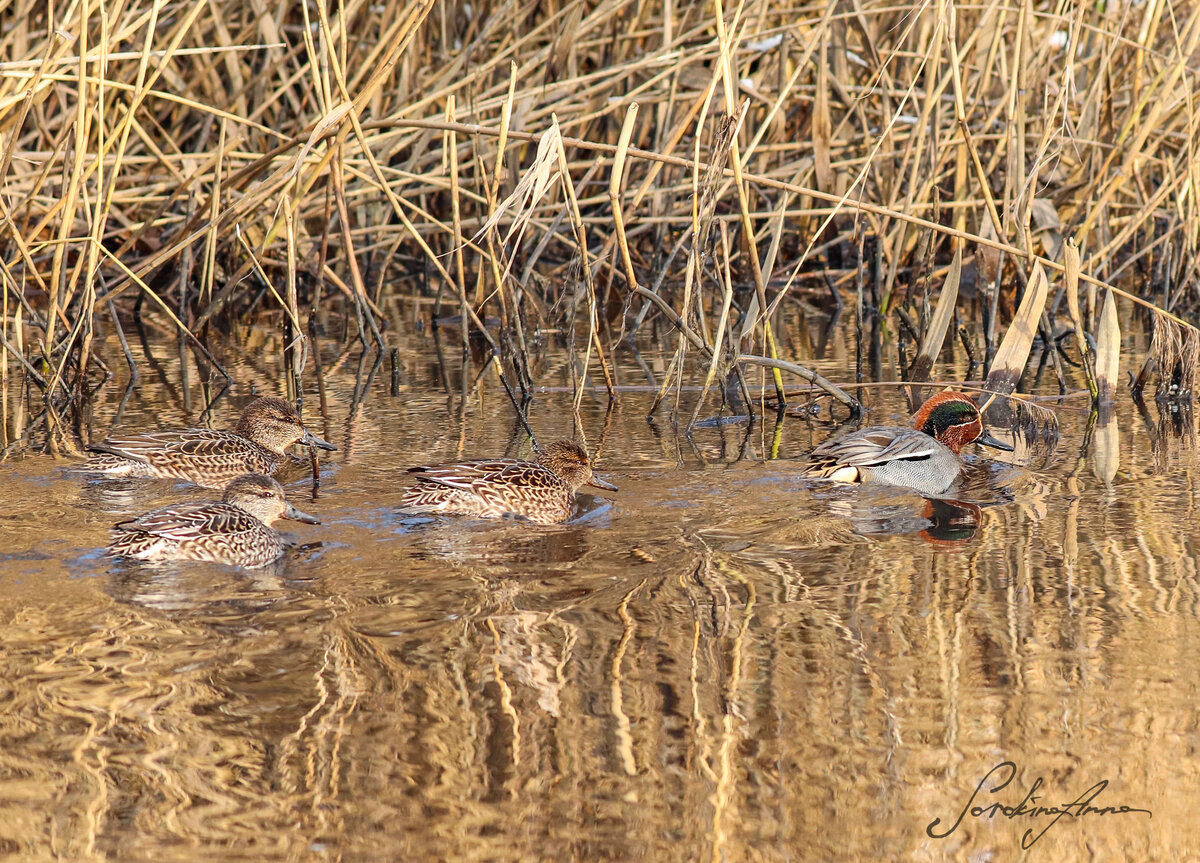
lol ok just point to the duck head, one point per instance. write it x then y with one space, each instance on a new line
274 423
263 498
570 461
954 420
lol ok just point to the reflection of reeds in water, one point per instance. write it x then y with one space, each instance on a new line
729 700
120 737
761 677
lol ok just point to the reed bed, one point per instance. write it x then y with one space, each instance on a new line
615 171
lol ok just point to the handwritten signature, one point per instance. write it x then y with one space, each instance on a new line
1077 808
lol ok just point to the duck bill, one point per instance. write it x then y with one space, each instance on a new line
311 439
596 482
987 440
296 515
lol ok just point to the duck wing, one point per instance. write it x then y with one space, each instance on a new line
876 445
194 443
478 474
192 521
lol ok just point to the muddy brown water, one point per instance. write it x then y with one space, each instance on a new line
717 662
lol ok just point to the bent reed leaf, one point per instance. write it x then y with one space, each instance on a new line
1013 353
939 324
1108 351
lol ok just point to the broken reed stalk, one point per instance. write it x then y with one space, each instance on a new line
509 300
1071 287
703 203
295 348
715 351
460 269
939 324
727 81
1013 353
614 195
1108 352
589 284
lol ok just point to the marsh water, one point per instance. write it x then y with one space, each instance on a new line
719 661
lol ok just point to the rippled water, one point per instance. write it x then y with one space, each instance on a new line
719 661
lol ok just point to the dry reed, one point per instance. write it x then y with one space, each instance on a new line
215 160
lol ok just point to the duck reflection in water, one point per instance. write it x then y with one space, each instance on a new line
952 523
945 523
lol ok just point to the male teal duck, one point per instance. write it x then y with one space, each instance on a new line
541 491
267 427
924 458
237 531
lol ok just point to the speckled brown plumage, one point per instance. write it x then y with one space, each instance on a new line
541 491
236 531
267 427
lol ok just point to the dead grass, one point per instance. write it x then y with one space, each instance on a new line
199 157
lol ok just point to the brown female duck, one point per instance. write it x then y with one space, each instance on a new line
541 491
267 427
236 531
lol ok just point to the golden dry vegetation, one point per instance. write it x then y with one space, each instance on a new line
428 695
589 165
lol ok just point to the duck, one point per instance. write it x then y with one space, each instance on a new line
235 531
924 458
540 491
208 458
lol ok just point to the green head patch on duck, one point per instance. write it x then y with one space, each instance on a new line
954 420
